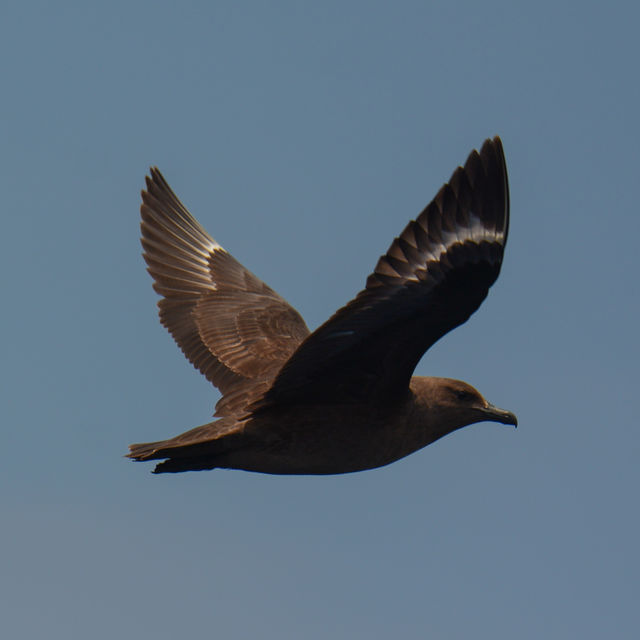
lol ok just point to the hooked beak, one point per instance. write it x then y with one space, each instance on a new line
495 414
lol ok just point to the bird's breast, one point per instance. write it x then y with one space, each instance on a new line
323 440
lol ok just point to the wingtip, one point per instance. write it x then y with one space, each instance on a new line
493 147
155 178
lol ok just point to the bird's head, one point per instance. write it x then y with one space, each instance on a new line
446 405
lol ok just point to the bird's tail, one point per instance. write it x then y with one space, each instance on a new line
147 450
194 450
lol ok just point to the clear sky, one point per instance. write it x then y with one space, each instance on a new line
304 136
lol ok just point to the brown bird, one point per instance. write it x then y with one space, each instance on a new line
342 398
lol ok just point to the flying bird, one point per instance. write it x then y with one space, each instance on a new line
341 398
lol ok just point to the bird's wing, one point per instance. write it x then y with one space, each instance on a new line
432 278
235 329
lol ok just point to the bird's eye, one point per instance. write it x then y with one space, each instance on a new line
464 396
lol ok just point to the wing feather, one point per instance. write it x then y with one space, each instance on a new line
230 325
432 278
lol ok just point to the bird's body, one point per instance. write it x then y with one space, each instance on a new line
342 398
320 439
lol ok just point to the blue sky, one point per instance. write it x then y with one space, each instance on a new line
304 136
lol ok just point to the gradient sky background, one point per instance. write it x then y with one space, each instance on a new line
304 136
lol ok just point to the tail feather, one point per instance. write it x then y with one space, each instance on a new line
147 450
196 463
195 450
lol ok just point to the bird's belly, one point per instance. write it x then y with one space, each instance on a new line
336 441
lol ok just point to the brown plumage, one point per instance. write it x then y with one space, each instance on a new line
341 398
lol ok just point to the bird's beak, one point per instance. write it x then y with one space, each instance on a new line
495 414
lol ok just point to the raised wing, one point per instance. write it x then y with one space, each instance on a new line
433 277
235 329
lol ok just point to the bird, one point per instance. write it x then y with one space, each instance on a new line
342 398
